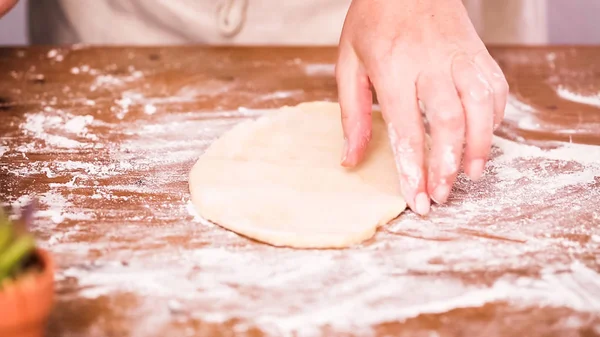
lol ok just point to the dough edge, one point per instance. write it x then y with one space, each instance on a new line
289 239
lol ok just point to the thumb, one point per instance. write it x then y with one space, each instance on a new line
356 102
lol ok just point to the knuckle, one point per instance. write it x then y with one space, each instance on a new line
500 86
449 119
481 92
446 112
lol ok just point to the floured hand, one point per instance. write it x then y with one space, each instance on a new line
428 51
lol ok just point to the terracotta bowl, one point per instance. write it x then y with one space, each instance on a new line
25 305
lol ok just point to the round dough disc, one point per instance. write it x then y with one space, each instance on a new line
278 180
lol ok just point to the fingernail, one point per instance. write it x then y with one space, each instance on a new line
345 150
440 194
496 126
422 203
476 169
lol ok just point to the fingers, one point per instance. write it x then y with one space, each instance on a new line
495 77
356 102
446 118
478 102
407 137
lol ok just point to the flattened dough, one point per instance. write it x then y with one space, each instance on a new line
278 180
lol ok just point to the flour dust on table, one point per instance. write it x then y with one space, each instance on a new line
107 153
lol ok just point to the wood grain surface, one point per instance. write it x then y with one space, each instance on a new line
104 139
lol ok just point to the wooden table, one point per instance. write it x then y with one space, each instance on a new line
104 138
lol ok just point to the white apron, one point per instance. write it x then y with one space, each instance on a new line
247 22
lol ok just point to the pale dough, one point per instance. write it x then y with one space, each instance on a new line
278 180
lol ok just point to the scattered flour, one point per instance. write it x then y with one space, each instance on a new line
593 99
319 69
415 265
149 109
108 81
280 95
522 114
57 55
123 104
150 105
77 125
57 129
524 117
53 207
368 288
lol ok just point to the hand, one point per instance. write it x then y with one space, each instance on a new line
428 51
6 5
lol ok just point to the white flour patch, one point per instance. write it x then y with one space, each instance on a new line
77 125
149 109
55 205
525 117
54 129
591 99
84 69
103 81
57 55
150 105
123 103
521 114
108 81
280 95
579 153
3 150
88 170
319 69
52 206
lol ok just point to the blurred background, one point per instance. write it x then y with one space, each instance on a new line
569 22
